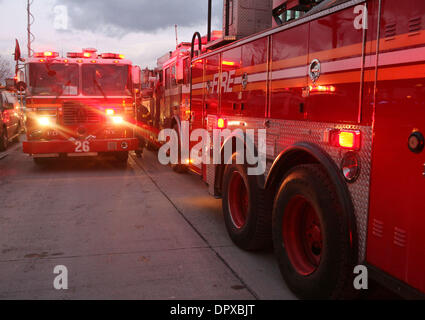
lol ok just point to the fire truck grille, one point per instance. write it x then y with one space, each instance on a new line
77 114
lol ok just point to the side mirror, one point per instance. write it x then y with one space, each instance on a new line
20 84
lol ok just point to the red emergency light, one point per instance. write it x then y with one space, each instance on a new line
228 63
74 55
84 54
322 89
46 54
112 56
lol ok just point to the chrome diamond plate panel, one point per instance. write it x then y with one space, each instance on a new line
284 133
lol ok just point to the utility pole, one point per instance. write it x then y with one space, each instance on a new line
209 20
177 38
30 21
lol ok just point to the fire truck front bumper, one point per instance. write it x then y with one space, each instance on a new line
75 148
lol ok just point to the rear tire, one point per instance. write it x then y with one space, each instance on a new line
247 220
310 235
4 142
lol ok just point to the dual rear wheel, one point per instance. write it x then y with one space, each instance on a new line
247 220
307 225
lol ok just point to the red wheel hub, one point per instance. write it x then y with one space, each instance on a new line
238 200
302 235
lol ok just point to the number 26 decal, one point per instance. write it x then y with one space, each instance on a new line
82 146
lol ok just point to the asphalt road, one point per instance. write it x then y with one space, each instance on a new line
143 232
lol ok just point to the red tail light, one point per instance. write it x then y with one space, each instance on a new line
112 56
228 63
221 123
347 139
323 89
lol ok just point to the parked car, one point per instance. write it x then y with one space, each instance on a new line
11 120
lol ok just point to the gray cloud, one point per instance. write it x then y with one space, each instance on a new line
115 17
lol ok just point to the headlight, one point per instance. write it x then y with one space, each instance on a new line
117 120
43 121
110 112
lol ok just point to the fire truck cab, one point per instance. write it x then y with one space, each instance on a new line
81 105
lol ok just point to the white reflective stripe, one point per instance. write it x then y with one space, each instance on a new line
185 89
341 65
402 56
256 77
198 86
296 72
172 92
385 59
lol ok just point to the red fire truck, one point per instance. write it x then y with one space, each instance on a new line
339 87
166 92
81 105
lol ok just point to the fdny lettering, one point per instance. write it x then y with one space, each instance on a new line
227 81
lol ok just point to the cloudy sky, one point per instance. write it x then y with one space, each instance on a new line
143 30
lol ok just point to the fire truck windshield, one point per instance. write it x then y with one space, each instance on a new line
53 79
106 80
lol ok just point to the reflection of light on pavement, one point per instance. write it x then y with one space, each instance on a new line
202 202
